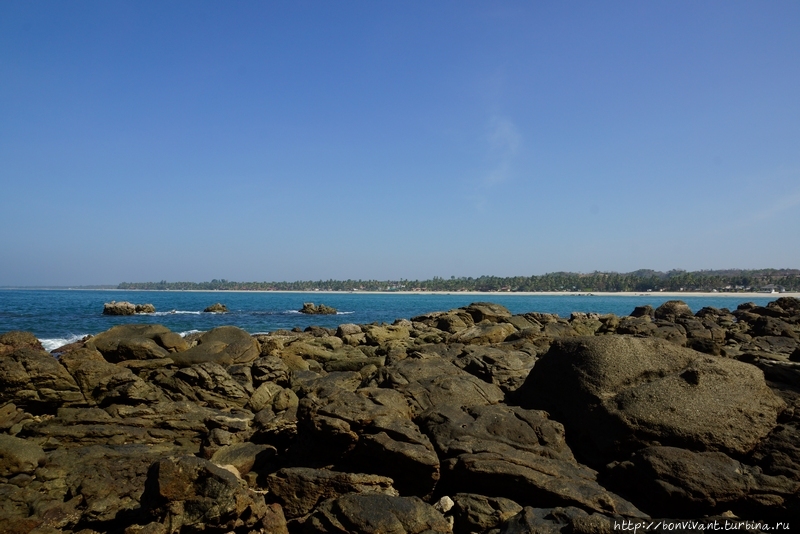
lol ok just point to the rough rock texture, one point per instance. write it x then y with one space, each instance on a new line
34 380
515 453
301 489
312 309
670 478
464 420
216 308
370 513
126 308
615 394
368 431
189 493
223 345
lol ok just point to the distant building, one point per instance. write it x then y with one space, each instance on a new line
772 288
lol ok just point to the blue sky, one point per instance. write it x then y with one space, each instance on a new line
258 141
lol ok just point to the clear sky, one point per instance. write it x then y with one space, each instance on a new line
272 141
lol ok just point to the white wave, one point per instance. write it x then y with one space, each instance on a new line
344 313
173 312
291 311
56 342
187 332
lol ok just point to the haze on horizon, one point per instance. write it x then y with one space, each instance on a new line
251 141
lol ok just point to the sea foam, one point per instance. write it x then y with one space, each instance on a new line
56 342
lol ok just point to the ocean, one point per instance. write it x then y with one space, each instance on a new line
57 317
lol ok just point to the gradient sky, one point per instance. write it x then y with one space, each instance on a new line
271 141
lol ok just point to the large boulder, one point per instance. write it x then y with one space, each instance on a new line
514 453
130 342
126 308
35 380
19 456
216 308
11 341
487 311
312 309
673 482
224 345
192 494
484 333
105 383
301 489
672 310
427 380
374 513
368 431
617 394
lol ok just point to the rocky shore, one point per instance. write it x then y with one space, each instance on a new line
470 420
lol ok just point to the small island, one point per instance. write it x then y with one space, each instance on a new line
312 309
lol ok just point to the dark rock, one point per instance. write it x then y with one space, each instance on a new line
104 383
19 456
224 345
171 341
243 456
119 308
506 369
560 519
216 308
34 380
126 308
642 311
129 341
208 383
368 431
370 513
301 489
672 310
478 513
514 453
771 326
616 393
484 333
194 494
487 311
11 341
102 484
313 309
673 482
428 380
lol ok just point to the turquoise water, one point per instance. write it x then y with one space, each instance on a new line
55 316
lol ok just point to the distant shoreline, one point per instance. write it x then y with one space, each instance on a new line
668 294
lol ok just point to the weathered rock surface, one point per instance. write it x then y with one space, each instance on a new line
370 513
223 345
515 453
669 479
126 308
616 394
301 489
312 309
216 308
34 380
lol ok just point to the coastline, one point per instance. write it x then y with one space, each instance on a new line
668 294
